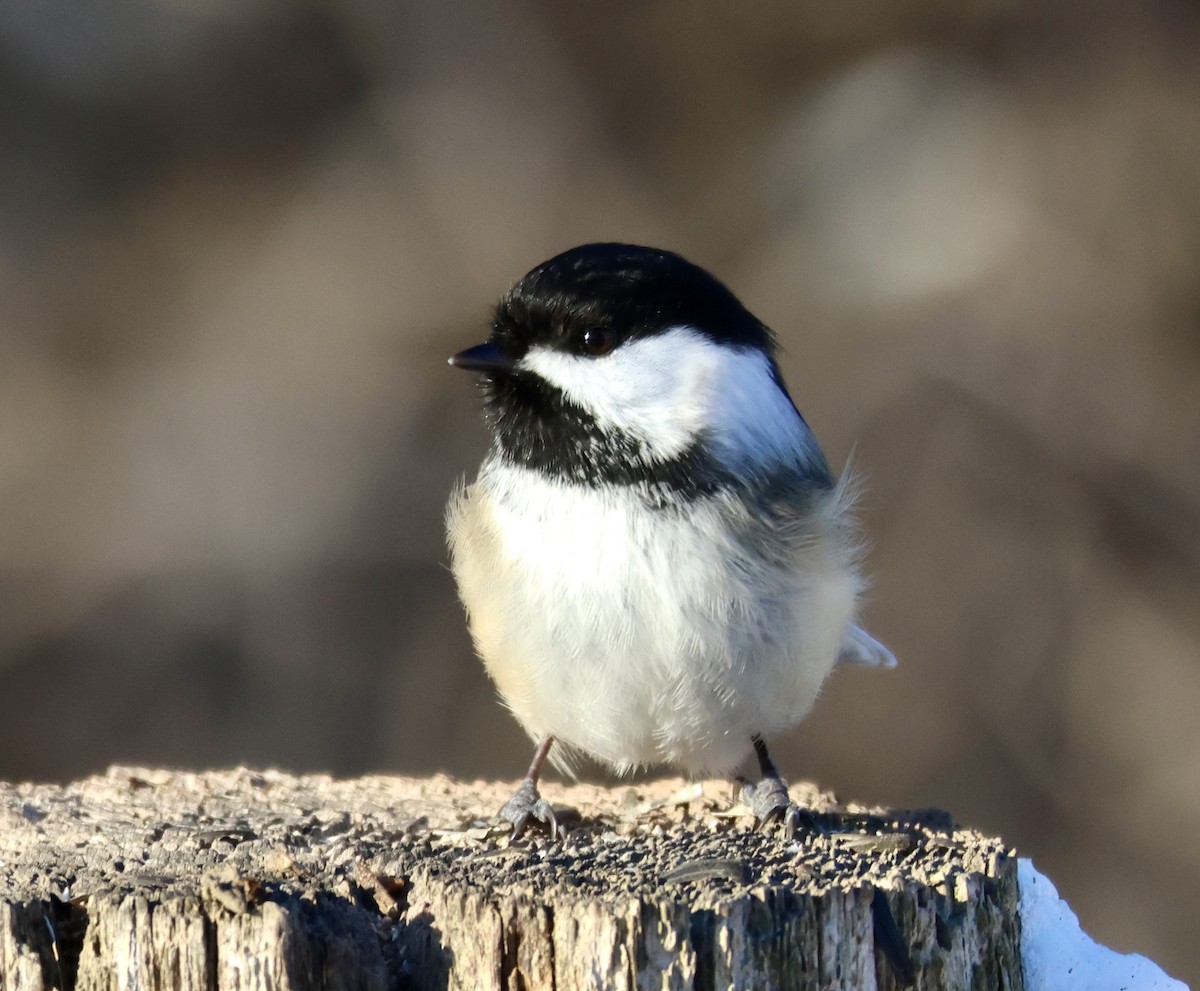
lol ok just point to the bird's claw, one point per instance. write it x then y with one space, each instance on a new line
527 805
770 802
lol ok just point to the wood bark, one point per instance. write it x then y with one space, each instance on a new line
255 880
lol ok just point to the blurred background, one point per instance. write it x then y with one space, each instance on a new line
239 240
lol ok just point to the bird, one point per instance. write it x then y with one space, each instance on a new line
657 565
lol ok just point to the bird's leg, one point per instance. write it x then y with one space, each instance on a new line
769 799
527 803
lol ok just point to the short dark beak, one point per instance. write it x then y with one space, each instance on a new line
482 358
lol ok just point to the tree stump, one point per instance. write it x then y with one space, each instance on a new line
261 880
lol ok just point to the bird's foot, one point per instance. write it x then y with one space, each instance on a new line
527 805
770 802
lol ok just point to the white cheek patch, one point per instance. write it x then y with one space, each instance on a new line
653 389
668 389
753 420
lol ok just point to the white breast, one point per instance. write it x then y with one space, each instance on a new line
641 635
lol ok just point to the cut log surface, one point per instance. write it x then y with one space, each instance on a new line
260 880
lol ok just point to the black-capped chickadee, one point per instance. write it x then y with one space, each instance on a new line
657 565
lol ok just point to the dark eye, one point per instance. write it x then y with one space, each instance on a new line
596 341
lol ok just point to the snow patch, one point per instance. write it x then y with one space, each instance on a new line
1059 956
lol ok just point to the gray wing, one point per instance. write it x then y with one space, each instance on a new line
861 648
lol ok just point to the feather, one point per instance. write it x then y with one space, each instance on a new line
862 649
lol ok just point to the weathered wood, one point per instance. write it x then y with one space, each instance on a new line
260 880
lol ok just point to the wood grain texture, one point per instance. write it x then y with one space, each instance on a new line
254 880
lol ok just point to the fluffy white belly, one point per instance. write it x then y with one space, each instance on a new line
642 635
